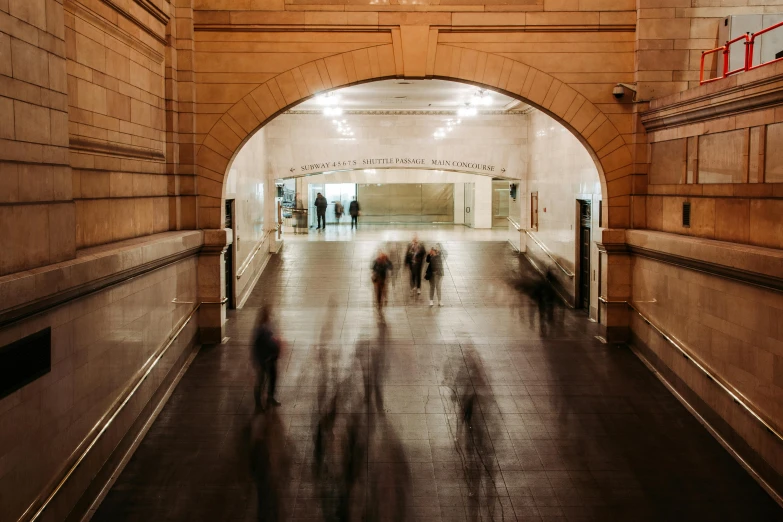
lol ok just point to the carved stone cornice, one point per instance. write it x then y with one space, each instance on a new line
115 149
748 97
75 7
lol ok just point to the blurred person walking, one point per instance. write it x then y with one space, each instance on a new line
355 211
266 351
381 267
414 259
434 273
338 211
320 210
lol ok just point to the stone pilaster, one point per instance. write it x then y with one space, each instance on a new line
614 286
212 285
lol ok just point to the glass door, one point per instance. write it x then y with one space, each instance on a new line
314 190
342 192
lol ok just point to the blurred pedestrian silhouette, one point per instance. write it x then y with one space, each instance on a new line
474 436
270 465
381 269
414 260
434 273
355 211
338 211
266 351
545 301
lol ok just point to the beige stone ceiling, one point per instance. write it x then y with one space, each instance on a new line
401 94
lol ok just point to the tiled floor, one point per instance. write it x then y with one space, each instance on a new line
465 412
399 232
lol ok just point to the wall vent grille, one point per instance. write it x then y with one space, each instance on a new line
686 215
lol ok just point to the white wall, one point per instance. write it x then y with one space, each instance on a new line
561 170
312 140
252 187
483 206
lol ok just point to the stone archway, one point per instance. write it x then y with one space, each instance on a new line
597 133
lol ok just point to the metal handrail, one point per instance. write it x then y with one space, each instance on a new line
104 423
246 263
726 48
735 394
752 42
516 225
548 253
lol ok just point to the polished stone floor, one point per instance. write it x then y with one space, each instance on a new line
399 232
477 410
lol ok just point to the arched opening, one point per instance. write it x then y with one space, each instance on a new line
425 152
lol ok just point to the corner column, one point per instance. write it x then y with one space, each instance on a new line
212 285
614 286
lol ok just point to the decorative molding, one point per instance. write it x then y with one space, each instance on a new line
114 149
264 28
409 112
30 309
736 274
149 6
622 28
74 8
669 116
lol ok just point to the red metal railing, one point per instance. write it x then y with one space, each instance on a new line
749 42
752 42
726 48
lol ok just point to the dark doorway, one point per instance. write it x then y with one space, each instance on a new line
584 255
229 256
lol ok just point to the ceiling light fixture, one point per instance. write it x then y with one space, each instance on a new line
467 111
333 111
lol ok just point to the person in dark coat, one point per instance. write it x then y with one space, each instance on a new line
354 210
414 260
434 273
320 210
266 351
381 267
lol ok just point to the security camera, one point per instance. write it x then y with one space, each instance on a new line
619 91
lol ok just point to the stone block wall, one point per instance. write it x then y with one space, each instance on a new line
37 211
724 163
116 121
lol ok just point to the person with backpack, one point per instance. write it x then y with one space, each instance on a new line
414 259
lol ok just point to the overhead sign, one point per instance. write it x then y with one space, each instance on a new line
422 163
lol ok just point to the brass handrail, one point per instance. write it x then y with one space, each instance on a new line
246 263
734 393
151 363
567 272
516 225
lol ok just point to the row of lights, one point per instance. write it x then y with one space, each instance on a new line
329 102
442 132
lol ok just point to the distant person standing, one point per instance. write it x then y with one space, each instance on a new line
354 211
434 273
266 351
381 267
414 259
320 210
338 211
